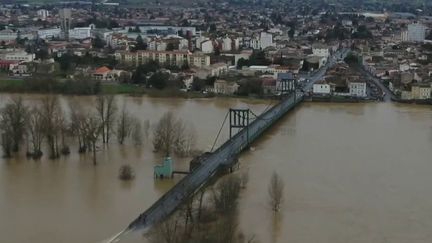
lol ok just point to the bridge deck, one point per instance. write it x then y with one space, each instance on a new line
224 155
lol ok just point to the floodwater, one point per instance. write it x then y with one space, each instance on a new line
352 173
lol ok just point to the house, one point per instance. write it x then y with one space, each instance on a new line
214 70
421 91
321 88
106 74
357 88
101 73
19 70
224 87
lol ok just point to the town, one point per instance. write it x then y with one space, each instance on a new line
234 121
214 49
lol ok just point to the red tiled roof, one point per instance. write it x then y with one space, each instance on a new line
102 70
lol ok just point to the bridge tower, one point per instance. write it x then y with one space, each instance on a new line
286 84
239 118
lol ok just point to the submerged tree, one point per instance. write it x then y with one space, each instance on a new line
172 135
275 190
35 131
13 119
106 108
92 128
52 117
124 125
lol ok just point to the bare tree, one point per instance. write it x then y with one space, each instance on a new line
124 125
169 135
52 116
137 132
13 119
92 128
77 125
226 194
275 190
185 143
167 231
35 131
106 109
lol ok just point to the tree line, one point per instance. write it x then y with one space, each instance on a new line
45 126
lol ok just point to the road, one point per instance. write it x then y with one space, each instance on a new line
388 95
318 75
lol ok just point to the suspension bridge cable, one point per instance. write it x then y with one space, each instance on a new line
220 130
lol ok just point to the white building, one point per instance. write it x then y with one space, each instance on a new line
8 35
43 14
80 33
255 44
321 88
17 56
320 50
357 89
266 40
416 32
226 44
49 33
207 46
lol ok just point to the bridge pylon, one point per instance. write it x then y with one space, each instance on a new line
238 119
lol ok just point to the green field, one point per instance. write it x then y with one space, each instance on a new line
122 89
11 85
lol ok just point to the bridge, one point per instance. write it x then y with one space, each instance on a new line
226 154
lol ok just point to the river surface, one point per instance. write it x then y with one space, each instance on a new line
352 173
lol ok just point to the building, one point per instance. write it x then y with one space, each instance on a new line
214 70
227 44
321 50
266 40
357 88
207 46
421 91
224 87
321 88
106 74
8 35
18 55
416 32
49 33
65 22
43 14
80 33
19 70
177 58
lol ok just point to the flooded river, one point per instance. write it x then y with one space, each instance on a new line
352 173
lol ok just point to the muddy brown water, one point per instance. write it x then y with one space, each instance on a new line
352 173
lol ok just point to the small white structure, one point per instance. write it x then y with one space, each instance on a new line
321 88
